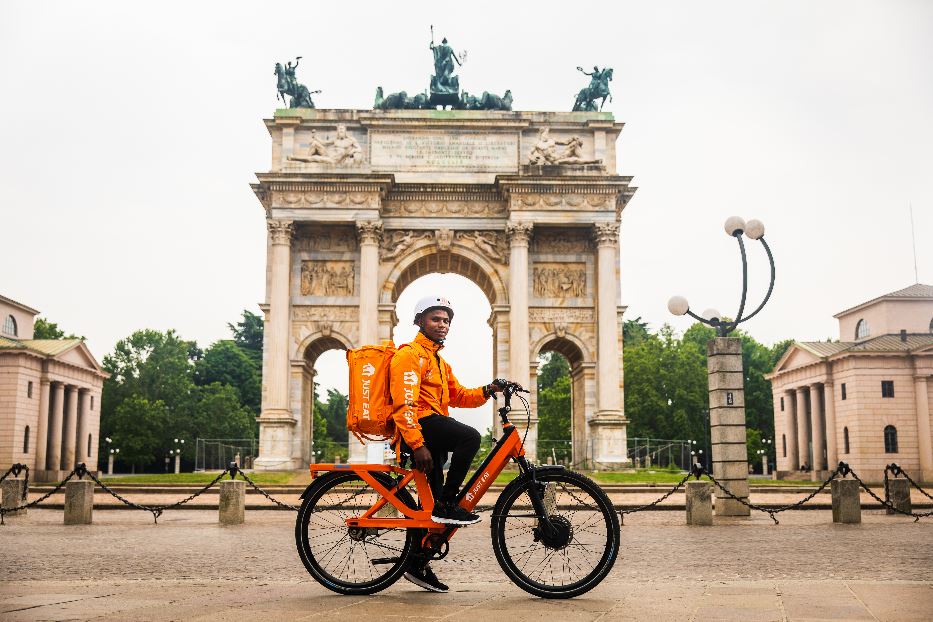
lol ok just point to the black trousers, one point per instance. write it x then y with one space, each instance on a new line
443 436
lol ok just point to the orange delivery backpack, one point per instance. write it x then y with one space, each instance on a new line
369 412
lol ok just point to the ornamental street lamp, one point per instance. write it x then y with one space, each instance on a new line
113 452
735 227
179 445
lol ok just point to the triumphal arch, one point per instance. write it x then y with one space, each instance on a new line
359 203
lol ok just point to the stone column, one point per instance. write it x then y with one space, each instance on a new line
816 427
608 425
792 460
922 398
803 431
42 429
607 288
81 453
70 429
370 234
832 451
519 234
55 428
276 422
727 423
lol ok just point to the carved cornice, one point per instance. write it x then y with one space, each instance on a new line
369 231
281 231
606 233
353 200
519 233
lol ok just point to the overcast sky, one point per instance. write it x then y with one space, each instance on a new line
129 134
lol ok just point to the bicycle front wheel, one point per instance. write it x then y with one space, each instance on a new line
351 560
575 553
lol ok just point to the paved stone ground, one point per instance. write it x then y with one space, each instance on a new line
188 567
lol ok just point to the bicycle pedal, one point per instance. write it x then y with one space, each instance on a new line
384 560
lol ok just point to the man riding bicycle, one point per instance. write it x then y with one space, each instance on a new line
423 387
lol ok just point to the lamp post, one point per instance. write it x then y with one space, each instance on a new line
179 445
765 454
727 379
112 452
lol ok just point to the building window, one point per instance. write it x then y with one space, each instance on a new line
26 441
782 404
29 389
890 439
88 446
931 326
9 325
861 329
843 390
92 402
784 444
887 388
845 440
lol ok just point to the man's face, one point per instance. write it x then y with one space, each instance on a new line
435 325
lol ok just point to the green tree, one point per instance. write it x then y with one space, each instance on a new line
44 329
634 331
247 333
216 412
554 407
334 415
138 428
227 363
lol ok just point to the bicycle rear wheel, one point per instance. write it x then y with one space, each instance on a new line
576 554
351 560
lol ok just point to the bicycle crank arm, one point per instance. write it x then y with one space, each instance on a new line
385 560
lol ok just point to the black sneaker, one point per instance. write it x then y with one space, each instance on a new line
423 576
453 514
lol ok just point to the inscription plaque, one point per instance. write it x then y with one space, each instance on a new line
475 152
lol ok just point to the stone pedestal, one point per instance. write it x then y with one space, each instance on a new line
899 495
232 507
79 502
13 495
700 503
847 507
727 423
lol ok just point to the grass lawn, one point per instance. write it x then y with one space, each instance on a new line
203 477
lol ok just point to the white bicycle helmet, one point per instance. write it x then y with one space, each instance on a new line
429 303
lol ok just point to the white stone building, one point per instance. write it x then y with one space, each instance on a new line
49 397
864 400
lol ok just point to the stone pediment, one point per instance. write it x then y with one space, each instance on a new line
796 356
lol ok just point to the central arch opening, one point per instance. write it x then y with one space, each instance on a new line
468 347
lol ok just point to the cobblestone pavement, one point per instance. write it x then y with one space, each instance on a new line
188 567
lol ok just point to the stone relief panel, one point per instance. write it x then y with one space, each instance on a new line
327 278
333 239
559 280
340 149
549 151
563 242
492 244
444 208
395 243
349 199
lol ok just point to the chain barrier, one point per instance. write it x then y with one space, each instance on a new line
695 472
81 470
885 502
896 470
15 470
234 470
59 486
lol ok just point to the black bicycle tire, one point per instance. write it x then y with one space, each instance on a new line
310 563
610 551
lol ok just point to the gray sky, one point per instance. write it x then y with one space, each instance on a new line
129 133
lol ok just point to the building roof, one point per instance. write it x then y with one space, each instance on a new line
50 348
917 291
10 301
883 344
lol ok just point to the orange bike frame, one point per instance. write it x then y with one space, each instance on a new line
508 448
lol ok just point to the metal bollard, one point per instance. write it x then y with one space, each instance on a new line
232 506
699 503
13 496
847 507
899 495
79 502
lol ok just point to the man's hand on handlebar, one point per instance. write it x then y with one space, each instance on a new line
423 460
499 384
